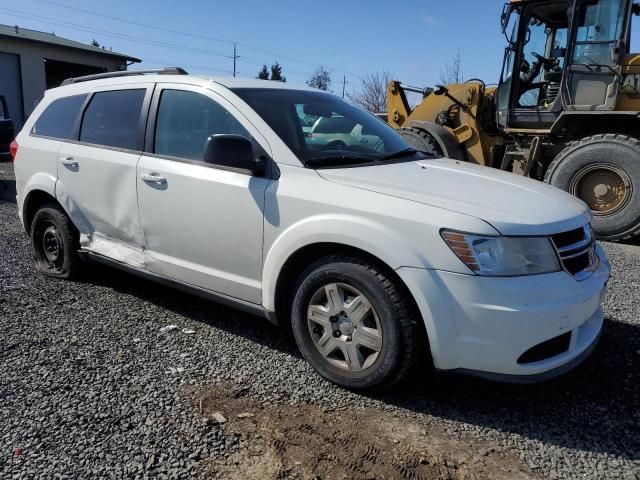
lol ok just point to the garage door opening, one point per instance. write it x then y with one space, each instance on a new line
57 71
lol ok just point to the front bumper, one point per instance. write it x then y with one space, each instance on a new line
483 325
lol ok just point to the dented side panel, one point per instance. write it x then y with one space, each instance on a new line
105 182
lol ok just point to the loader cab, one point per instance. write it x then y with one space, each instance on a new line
560 55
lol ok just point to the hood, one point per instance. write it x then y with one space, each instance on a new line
512 204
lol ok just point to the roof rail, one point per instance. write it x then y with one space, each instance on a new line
127 73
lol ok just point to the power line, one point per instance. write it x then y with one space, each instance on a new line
162 29
154 43
108 33
76 26
189 34
148 41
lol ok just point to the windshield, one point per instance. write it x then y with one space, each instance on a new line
323 130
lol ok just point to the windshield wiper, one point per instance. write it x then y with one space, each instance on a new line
338 160
407 152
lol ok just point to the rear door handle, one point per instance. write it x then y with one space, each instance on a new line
153 178
69 161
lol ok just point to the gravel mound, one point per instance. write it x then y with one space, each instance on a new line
91 388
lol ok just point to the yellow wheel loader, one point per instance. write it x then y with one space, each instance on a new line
566 109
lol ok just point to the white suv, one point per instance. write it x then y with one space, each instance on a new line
370 252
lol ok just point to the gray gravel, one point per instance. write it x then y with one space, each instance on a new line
90 388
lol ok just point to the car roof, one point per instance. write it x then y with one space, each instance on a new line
228 82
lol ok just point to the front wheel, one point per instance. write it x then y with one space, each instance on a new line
353 324
604 172
423 141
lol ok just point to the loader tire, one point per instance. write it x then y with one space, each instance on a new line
604 171
423 141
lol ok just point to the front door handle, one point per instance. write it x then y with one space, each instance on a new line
69 162
153 178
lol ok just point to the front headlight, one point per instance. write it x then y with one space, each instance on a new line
503 256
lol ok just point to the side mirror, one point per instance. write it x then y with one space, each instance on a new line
234 151
617 52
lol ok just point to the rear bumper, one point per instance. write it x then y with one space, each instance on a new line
483 325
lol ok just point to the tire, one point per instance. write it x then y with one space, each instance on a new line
55 243
604 171
423 141
387 323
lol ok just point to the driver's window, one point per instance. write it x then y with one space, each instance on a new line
537 44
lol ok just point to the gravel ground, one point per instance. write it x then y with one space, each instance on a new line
90 387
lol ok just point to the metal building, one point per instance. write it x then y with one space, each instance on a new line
32 61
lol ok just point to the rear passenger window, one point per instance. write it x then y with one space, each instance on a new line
112 119
186 119
59 118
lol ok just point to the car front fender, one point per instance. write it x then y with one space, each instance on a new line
376 239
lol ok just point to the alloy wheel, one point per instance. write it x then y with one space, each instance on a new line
344 327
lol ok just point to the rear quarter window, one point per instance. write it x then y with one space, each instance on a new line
113 119
59 119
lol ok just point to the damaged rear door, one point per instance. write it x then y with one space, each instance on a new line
97 173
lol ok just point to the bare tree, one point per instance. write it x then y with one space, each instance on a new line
320 78
373 92
452 72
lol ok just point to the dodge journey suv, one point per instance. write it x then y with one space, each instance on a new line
373 254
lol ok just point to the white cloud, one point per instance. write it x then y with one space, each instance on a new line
429 20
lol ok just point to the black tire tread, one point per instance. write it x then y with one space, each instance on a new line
575 145
425 137
72 236
404 310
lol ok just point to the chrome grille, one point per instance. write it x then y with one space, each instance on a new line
576 249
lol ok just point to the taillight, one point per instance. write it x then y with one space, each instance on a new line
13 150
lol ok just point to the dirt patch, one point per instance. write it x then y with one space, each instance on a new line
308 442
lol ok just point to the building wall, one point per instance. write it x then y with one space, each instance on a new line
32 56
11 86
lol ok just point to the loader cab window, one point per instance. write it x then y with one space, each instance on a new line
543 56
599 25
531 68
511 19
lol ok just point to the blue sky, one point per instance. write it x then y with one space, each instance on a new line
412 39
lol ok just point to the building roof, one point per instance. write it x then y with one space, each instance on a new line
52 39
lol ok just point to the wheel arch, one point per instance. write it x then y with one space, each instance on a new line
296 263
32 203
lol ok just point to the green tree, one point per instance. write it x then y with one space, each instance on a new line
263 74
276 73
321 79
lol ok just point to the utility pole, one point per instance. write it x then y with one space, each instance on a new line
344 83
235 57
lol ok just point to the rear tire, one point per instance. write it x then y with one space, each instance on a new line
55 243
423 141
354 325
603 171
